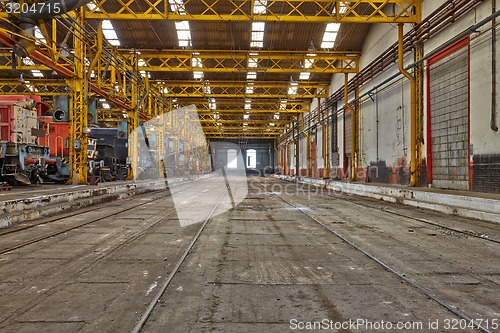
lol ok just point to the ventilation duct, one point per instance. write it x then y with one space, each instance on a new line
42 11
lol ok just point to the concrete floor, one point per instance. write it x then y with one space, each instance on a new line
286 256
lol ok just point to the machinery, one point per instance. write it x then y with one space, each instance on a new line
110 160
22 157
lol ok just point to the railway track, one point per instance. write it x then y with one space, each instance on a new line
158 195
420 288
152 305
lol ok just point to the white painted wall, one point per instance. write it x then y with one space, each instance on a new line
394 102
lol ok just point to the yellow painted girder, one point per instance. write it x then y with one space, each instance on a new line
233 61
37 87
353 11
236 122
214 89
242 136
244 61
238 106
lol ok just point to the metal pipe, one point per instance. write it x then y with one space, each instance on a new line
99 50
353 126
413 105
452 41
493 122
377 123
297 151
51 8
42 11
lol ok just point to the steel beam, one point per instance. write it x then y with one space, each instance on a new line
255 61
354 11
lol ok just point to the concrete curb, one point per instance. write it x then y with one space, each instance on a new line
16 211
458 205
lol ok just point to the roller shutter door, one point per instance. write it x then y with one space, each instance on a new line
449 119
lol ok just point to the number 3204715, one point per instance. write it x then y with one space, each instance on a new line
24 8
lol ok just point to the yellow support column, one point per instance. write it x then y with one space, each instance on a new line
326 155
133 126
413 113
78 112
419 113
353 128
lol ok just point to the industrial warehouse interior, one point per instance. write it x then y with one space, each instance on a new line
249 166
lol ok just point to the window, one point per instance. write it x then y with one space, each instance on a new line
251 158
232 159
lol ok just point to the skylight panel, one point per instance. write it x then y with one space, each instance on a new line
249 88
248 104
246 116
93 7
260 6
39 35
292 90
258 26
107 25
253 62
332 27
213 105
177 6
257 38
197 63
304 76
142 63
35 72
183 33
182 25
198 75
109 33
283 105
251 75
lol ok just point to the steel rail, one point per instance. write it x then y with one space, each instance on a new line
41 238
391 269
149 310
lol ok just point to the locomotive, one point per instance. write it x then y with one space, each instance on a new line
22 156
34 143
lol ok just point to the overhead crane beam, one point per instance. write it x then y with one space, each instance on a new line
28 86
225 61
234 122
252 89
353 11
241 61
257 106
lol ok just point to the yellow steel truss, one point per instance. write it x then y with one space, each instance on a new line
223 62
78 114
257 61
257 106
257 89
29 86
354 11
